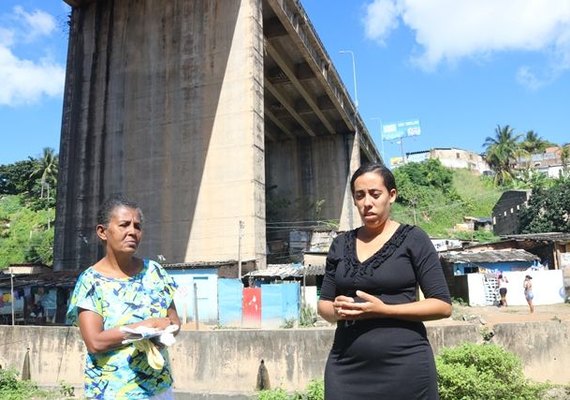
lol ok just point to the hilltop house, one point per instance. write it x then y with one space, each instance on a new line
452 158
550 162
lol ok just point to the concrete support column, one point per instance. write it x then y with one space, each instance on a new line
164 103
349 218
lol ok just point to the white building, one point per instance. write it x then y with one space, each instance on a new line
452 158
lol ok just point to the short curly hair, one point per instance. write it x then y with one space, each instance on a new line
110 204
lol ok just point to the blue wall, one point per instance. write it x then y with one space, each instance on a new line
496 266
279 303
220 301
230 300
200 283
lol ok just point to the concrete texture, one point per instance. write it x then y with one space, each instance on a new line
225 362
200 110
164 103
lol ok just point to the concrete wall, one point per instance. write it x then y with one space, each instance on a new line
164 102
457 158
506 211
547 286
305 171
227 361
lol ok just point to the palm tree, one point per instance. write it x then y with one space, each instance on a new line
534 143
46 170
565 155
501 153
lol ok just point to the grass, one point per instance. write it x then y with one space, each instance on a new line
477 198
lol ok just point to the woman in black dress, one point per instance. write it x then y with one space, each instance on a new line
380 348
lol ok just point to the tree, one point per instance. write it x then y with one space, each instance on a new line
501 153
533 143
428 192
15 178
565 155
46 170
548 209
26 235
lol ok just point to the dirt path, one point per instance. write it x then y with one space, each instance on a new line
491 315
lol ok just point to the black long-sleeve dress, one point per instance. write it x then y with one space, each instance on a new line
383 358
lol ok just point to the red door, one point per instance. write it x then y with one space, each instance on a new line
252 307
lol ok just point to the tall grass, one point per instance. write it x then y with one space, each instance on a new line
477 197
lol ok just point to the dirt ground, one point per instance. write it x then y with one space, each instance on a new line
490 315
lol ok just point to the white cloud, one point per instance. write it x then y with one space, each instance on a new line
37 23
447 31
25 80
380 20
527 77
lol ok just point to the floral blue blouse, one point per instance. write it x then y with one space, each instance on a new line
124 372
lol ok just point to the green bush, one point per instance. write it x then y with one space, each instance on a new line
11 388
315 390
473 372
273 394
308 316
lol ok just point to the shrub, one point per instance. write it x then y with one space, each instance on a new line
308 316
273 394
472 372
11 388
315 390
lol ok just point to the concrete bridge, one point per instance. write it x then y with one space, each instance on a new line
218 117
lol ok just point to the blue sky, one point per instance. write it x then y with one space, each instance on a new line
460 67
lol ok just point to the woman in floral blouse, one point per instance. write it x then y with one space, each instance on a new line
123 290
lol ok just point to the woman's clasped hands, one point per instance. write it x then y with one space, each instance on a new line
362 306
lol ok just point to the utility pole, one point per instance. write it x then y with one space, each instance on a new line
240 235
353 75
12 295
196 318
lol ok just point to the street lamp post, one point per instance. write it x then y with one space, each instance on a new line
381 138
353 75
354 161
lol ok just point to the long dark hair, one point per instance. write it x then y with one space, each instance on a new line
380 169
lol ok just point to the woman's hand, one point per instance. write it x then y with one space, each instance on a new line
362 306
157 323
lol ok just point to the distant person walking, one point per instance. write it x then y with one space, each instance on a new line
528 294
503 289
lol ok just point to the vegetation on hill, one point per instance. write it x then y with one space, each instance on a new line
431 196
27 210
437 198
506 148
548 208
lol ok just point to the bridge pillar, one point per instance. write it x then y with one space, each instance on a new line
349 218
164 102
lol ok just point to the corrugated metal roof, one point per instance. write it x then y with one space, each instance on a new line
311 270
201 264
281 271
488 256
547 236
47 279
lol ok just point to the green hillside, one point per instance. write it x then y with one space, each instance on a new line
437 212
